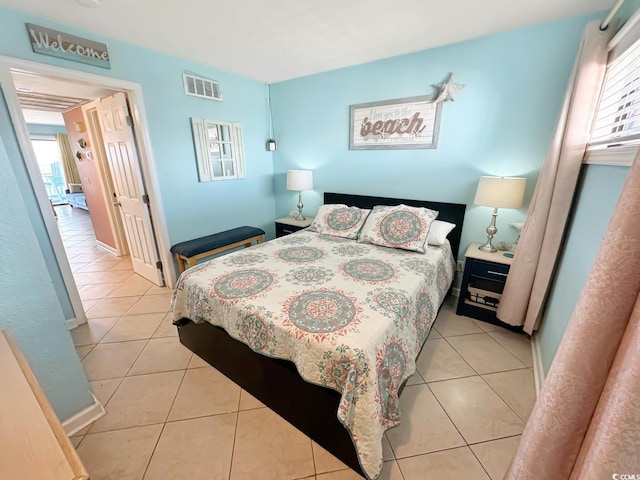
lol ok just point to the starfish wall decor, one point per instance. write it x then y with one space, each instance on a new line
448 90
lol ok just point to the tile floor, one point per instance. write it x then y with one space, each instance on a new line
171 416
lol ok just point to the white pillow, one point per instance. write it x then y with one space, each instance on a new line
438 232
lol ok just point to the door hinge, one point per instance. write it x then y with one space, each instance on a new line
129 120
159 265
145 199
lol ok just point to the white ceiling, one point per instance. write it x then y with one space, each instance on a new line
281 39
52 86
42 118
30 83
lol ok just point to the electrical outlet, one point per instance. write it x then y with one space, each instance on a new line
460 266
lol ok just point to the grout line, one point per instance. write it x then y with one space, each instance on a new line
123 428
153 451
313 458
461 356
452 378
481 464
235 434
449 417
173 402
503 400
495 439
137 358
507 348
177 420
114 390
390 446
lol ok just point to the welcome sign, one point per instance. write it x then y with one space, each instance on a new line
69 47
395 124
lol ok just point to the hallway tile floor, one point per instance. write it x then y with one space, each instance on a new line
171 416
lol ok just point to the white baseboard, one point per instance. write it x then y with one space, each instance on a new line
538 370
83 418
107 248
72 323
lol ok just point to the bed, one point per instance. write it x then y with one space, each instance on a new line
349 317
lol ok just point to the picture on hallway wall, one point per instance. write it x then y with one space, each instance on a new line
395 124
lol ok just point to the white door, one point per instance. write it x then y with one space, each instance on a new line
122 156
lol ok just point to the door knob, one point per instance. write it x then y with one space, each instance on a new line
117 204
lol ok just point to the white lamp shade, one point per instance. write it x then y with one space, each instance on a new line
500 192
299 180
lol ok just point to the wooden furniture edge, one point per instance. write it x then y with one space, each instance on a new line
191 261
65 444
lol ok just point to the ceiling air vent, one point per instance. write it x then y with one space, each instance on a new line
201 87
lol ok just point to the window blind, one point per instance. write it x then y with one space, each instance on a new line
617 121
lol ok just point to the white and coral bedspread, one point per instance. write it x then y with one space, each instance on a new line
351 316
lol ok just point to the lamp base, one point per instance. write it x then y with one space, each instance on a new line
487 247
491 231
300 216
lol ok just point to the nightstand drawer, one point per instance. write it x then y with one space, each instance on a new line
287 225
283 229
491 271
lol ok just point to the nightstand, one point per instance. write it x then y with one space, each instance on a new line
482 283
287 225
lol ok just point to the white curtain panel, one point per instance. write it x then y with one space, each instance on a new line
533 266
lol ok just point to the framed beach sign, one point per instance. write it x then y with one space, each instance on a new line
402 123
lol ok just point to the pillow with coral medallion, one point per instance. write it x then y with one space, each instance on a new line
400 226
339 220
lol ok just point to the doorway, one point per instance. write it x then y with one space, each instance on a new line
8 66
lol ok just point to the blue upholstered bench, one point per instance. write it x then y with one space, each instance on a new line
193 250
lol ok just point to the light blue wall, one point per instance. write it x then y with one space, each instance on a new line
30 308
598 193
7 134
597 196
191 208
40 129
499 124
628 8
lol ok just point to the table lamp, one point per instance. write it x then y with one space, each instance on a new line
299 180
498 192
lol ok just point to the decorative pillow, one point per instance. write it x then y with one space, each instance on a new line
439 231
339 220
398 227
75 188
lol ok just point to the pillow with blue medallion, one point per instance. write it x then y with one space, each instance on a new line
339 220
400 226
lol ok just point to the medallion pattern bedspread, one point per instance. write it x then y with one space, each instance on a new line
350 316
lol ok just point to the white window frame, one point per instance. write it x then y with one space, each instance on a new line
204 151
619 150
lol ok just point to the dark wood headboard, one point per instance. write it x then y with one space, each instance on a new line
449 212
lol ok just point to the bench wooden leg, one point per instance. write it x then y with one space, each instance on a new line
180 263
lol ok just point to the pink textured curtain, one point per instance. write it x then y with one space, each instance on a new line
586 422
533 266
